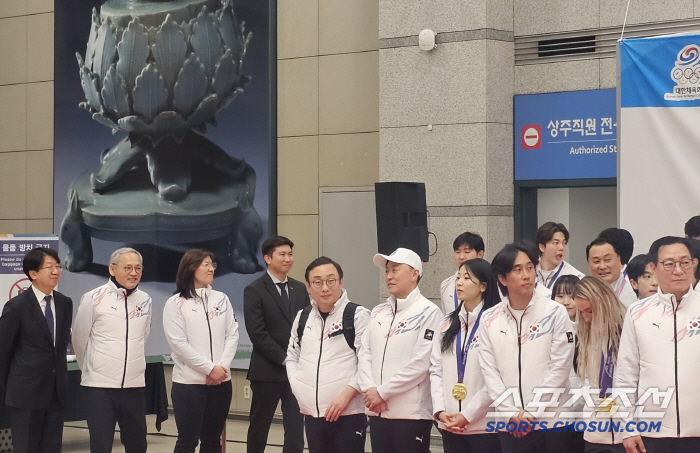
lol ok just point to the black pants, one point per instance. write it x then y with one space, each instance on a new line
602 448
200 415
536 442
472 443
266 396
37 431
672 445
106 407
345 435
400 436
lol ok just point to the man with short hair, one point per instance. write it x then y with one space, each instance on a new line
623 242
394 360
659 351
641 277
270 304
109 338
322 362
692 227
34 336
552 239
604 262
526 342
466 246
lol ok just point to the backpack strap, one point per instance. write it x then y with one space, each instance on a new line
302 323
349 324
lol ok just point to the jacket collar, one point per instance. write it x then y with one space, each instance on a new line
472 314
509 310
670 299
116 287
402 304
202 294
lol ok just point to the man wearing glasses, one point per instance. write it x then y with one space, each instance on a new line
34 335
322 362
659 354
109 338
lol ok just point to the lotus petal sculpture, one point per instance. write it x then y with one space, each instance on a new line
155 82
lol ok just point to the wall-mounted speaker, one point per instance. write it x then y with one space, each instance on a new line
402 217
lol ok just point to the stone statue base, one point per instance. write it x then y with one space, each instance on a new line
174 193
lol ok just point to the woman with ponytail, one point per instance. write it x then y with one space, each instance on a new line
460 398
600 319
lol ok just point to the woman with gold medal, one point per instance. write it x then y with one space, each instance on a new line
460 398
601 315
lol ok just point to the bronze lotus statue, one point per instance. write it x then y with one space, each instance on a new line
160 71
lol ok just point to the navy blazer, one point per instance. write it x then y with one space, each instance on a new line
31 366
269 325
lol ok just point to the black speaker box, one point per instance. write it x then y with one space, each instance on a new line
402 217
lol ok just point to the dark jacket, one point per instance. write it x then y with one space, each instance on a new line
31 367
269 325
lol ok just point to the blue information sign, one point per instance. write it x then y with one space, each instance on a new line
570 135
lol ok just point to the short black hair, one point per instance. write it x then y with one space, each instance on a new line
692 227
546 232
320 261
35 258
664 241
621 240
636 266
271 243
473 240
602 241
503 261
566 283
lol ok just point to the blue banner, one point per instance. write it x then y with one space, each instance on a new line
660 72
570 135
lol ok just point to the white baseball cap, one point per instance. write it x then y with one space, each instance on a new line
400 256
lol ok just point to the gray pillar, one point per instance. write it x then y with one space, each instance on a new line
446 118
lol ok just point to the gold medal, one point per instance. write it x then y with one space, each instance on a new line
606 405
459 391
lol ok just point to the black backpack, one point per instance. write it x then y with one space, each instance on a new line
348 323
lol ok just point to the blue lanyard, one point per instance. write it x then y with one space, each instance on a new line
553 278
462 352
607 369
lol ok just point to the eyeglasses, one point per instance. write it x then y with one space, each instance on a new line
685 264
331 282
130 269
52 268
212 265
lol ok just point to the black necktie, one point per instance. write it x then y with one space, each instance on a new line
285 297
48 314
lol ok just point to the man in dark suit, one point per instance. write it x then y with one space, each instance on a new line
270 304
34 336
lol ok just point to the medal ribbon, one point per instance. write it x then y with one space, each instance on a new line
462 352
622 285
607 369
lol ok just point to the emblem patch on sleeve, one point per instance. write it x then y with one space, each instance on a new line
570 336
428 334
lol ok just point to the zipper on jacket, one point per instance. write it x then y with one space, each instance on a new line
206 315
318 366
519 329
126 348
381 370
675 364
